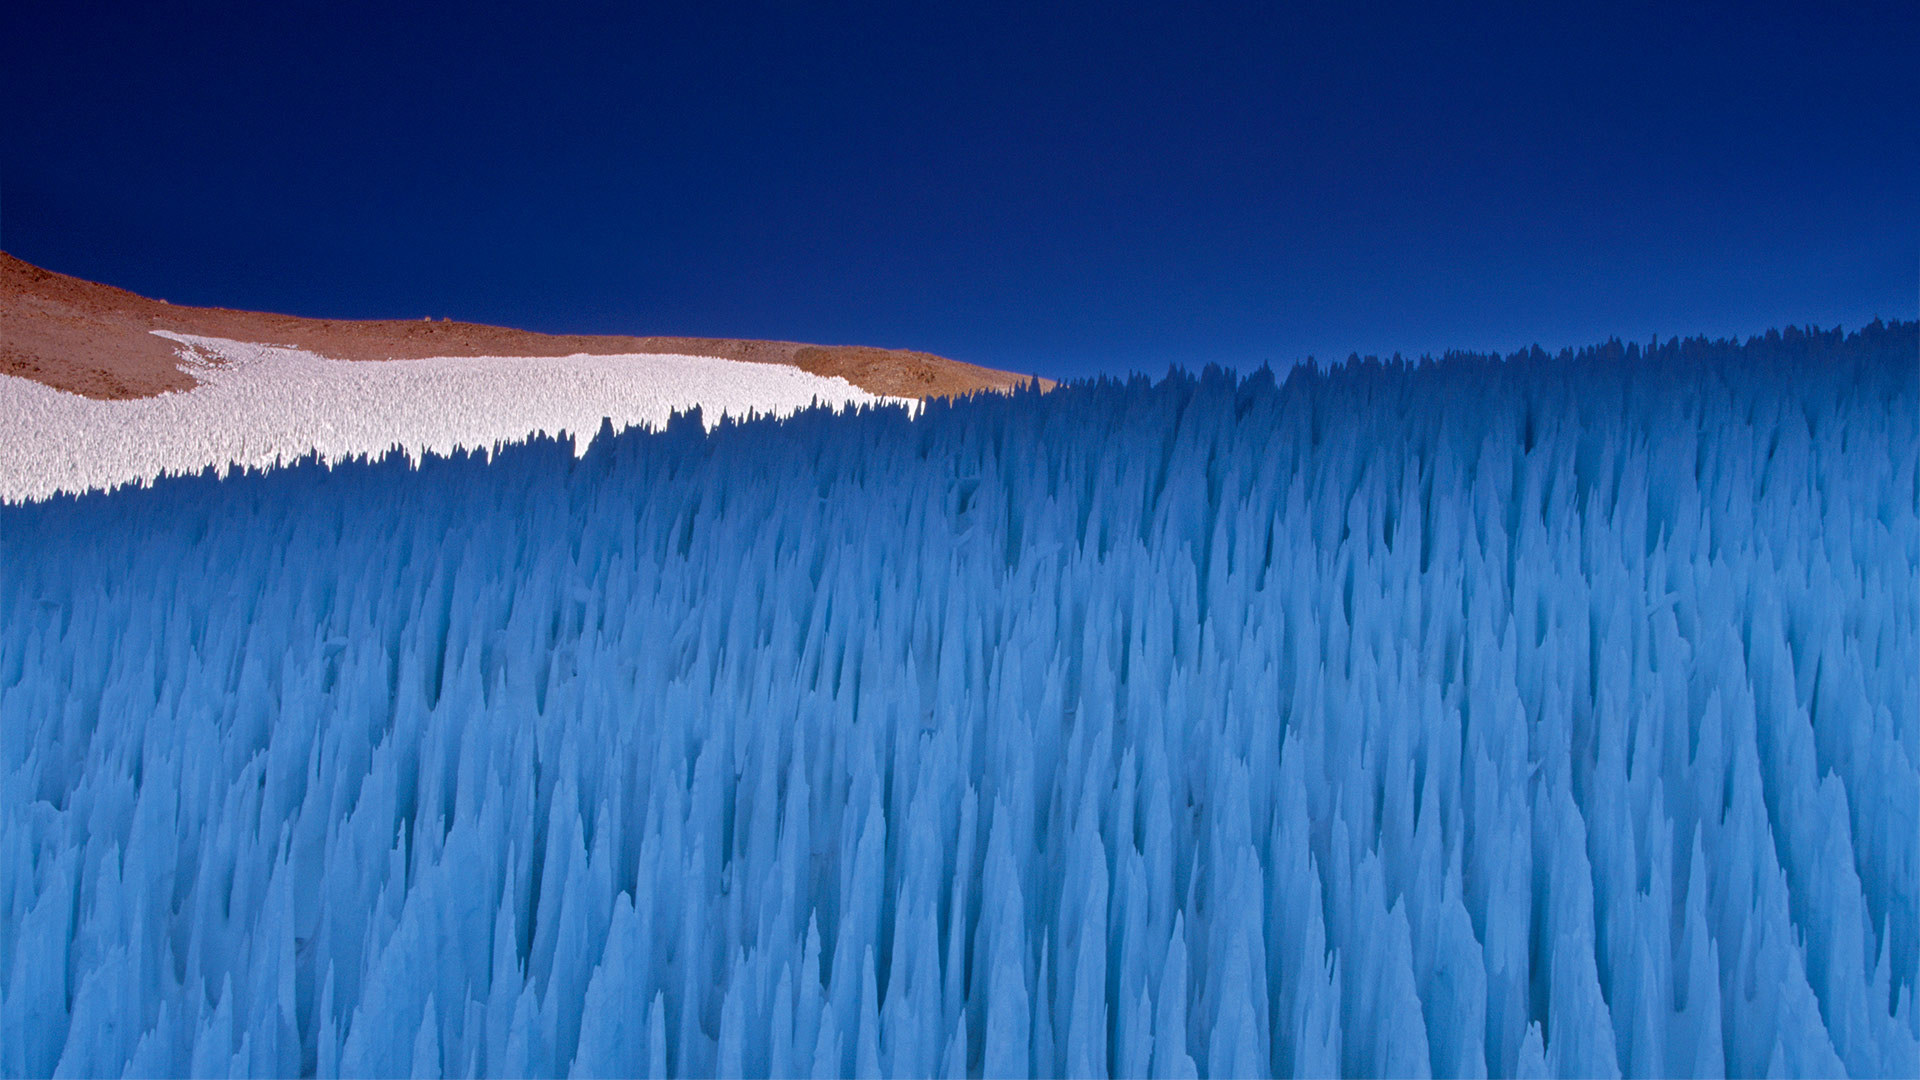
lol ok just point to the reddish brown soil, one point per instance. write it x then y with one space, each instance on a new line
93 339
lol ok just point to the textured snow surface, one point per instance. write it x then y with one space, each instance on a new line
258 406
1547 716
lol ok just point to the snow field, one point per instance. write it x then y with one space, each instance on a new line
1537 717
260 406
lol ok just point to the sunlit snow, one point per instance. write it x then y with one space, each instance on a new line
1527 717
263 405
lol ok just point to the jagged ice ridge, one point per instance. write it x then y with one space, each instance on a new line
1479 717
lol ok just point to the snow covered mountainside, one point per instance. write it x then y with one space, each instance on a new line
260 406
1539 716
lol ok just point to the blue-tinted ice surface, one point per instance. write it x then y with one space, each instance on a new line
1542 716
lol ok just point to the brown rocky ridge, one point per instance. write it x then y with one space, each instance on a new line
93 339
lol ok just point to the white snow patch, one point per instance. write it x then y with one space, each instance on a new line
259 406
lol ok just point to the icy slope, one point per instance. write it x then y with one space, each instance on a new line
262 405
1549 716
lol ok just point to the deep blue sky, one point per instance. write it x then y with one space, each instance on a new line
1049 192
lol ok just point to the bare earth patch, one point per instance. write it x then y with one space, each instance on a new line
96 340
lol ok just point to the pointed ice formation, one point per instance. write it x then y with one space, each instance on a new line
1547 716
